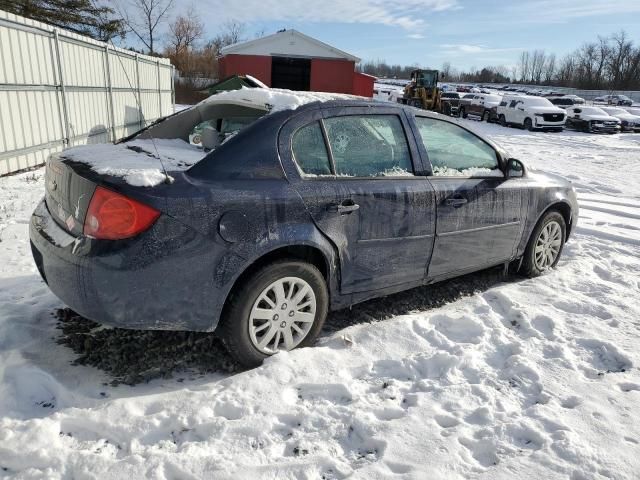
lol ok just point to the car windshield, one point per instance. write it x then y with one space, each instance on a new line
538 102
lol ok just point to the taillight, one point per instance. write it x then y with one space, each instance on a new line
112 216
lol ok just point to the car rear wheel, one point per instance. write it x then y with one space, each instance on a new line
281 307
502 120
528 125
545 245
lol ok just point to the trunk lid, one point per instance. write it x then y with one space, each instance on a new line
67 195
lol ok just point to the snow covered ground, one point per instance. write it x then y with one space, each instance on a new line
520 379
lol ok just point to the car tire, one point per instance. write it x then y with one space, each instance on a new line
486 116
545 245
463 113
528 125
238 329
502 120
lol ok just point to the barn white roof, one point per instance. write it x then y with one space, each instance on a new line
288 43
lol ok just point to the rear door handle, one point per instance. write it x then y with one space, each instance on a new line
455 202
346 207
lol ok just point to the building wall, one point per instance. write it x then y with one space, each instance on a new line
363 84
334 76
60 89
258 66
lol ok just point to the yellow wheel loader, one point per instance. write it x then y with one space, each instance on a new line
422 91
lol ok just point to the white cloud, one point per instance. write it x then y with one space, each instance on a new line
465 49
416 36
564 10
406 14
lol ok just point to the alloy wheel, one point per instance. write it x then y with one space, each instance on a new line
282 315
548 245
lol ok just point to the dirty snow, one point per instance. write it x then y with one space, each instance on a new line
522 379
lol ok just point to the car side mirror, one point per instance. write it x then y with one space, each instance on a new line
515 168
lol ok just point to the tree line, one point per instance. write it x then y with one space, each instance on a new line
610 63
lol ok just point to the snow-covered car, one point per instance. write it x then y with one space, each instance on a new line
576 99
562 102
322 202
633 110
482 106
621 100
531 113
591 119
629 122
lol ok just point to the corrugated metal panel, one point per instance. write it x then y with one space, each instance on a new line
60 89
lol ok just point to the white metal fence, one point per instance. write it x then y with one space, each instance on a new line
59 89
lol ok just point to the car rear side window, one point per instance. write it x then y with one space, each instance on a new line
454 151
310 151
369 146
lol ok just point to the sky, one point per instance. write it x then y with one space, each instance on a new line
466 33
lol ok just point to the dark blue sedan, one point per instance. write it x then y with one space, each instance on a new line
261 218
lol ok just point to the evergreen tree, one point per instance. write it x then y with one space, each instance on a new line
80 16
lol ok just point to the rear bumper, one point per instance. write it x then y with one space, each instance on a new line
162 279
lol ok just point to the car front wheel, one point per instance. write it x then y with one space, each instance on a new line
545 245
502 120
485 116
280 307
528 125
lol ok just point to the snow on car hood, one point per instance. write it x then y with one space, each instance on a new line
138 161
546 109
600 118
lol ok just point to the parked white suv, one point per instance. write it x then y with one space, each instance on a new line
532 113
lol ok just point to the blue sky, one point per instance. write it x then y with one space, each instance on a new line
466 33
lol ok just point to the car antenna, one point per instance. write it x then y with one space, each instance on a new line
167 178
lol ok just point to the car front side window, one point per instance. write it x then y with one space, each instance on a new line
454 151
369 146
310 151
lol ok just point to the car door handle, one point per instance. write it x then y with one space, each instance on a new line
455 202
346 207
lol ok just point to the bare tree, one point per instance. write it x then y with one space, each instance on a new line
524 66
550 68
538 60
232 33
185 31
143 17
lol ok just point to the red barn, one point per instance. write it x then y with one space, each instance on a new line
292 60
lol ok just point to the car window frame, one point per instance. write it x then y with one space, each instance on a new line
431 176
